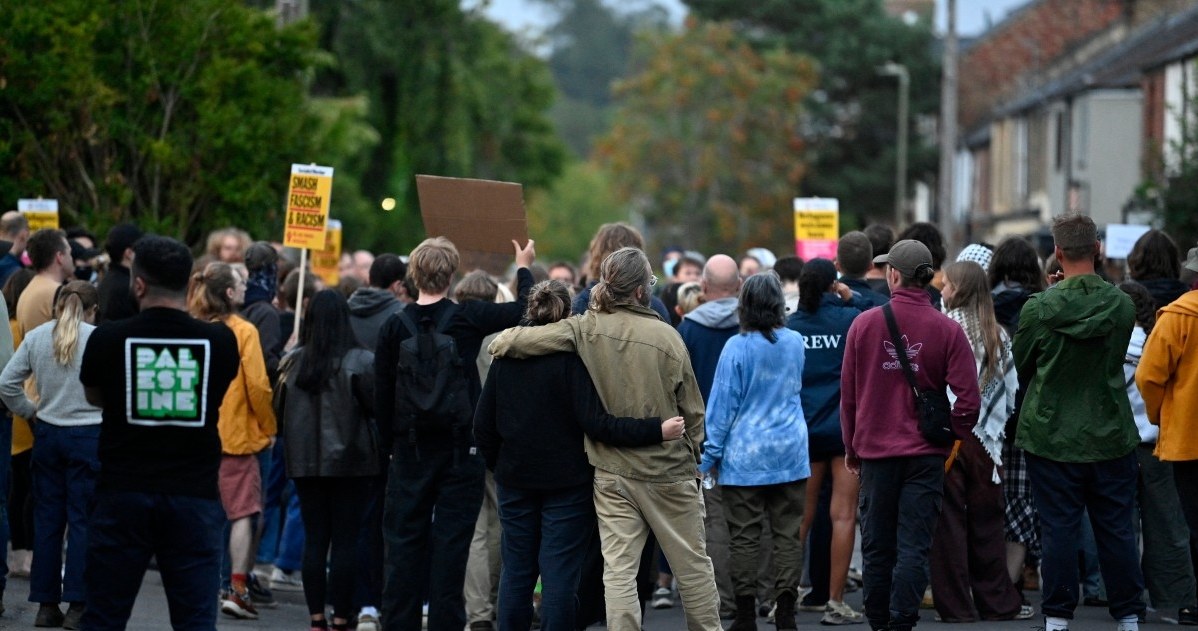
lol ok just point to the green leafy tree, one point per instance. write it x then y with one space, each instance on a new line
180 116
563 217
450 94
851 125
707 143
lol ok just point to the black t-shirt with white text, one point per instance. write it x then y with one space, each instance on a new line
163 376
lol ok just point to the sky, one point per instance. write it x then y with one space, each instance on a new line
528 17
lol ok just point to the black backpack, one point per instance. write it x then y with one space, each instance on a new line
432 392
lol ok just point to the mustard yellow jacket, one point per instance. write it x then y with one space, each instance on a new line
247 418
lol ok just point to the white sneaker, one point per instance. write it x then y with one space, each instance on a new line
368 622
663 598
839 613
286 581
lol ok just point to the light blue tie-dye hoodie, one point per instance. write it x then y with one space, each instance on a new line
756 433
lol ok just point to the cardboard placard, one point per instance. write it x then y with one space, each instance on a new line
40 213
1120 238
325 261
309 192
817 227
481 217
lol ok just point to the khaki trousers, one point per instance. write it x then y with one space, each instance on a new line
482 568
627 510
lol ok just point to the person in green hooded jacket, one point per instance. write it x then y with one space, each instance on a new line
1077 428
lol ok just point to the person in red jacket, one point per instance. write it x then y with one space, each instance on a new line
902 474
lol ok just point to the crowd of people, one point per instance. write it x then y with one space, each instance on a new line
578 443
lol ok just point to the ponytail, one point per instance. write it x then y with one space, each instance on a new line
74 300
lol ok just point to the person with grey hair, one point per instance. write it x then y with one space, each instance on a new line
756 447
640 368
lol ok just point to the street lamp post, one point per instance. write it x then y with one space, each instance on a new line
892 69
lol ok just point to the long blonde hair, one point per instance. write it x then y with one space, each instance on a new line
75 300
973 298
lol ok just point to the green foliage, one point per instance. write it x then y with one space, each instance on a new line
180 116
706 143
450 94
563 217
851 126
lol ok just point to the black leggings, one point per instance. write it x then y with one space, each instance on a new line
20 502
332 512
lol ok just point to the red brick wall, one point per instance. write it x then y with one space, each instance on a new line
1011 55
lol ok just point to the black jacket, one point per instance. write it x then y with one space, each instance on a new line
1164 290
531 417
116 298
332 434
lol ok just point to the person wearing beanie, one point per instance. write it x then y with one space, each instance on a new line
116 299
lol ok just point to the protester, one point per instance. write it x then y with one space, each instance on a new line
854 259
639 366
227 245
1014 275
262 285
756 447
968 558
1166 377
979 253
825 313
50 255
6 441
370 307
64 454
1166 562
565 272
880 238
19 496
929 235
1155 263
704 332
788 269
435 466
325 403
159 454
755 261
898 465
690 296
609 238
116 299
1076 426
14 230
247 427
534 445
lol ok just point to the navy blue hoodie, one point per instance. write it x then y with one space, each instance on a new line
824 334
705 331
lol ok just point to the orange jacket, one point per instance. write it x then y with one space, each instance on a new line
247 420
1168 378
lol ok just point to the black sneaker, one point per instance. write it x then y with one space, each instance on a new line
48 615
259 593
1187 616
74 617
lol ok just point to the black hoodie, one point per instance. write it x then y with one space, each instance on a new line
369 308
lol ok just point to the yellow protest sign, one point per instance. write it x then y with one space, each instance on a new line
325 261
40 213
308 196
817 227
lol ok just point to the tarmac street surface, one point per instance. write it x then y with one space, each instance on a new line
150 614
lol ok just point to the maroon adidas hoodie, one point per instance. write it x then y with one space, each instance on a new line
877 408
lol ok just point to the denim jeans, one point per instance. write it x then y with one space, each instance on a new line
5 468
1064 493
274 482
65 468
291 545
127 528
368 589
433 499
544 533
900 506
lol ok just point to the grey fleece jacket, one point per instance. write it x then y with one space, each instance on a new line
60 393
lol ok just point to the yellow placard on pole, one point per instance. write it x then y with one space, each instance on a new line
325 261
40 213
308 196
817 227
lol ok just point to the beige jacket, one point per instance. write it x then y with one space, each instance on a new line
641 369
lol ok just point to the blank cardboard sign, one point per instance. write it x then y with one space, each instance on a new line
481 217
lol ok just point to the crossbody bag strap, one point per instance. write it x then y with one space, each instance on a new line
900 348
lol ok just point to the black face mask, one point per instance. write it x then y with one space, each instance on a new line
83 273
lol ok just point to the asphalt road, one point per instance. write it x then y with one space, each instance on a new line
150 614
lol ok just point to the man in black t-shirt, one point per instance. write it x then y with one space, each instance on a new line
159 377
